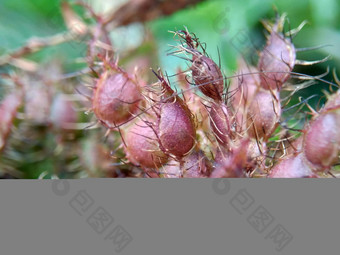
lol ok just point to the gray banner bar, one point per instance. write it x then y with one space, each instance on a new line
130 216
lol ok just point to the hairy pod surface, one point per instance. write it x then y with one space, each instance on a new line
176 128
172 169
333 102
142 147
257 152
322 140
222 124
292 167
277 60
242 91
196 165
244 87
116 99
232 164
263 114
208 76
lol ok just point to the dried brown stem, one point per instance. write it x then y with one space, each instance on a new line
146 10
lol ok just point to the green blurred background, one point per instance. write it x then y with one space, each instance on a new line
233 27
215 22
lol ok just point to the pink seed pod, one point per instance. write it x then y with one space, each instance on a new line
142 147
116 99
263 114
333 101
292 167
194 102
171 170
322 141
277 60
176 128
8 110
243 88
233 164
257 151
63 115
208 76
222 124
196 165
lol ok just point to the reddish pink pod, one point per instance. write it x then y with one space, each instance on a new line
232 164
8 110
142 146
257 152
333 101
322 141
116 98
264 114
176 127
243 88
196 165
292 167
208 76
222 124
277 60
172 170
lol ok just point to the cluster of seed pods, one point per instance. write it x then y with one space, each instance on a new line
216 126
318 148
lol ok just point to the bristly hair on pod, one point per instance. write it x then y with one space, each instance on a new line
206 74
322 139
142 145
196 165
292 167
116 97
222 123
264 114
176 126
277 59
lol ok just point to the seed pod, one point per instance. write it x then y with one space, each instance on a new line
222 124
292 167
194 102
233 164
208 76
244 87
142 147
322 141
196 165
172 170
277 60
115 99
257 151
263 114
176 128
333 101
8 110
